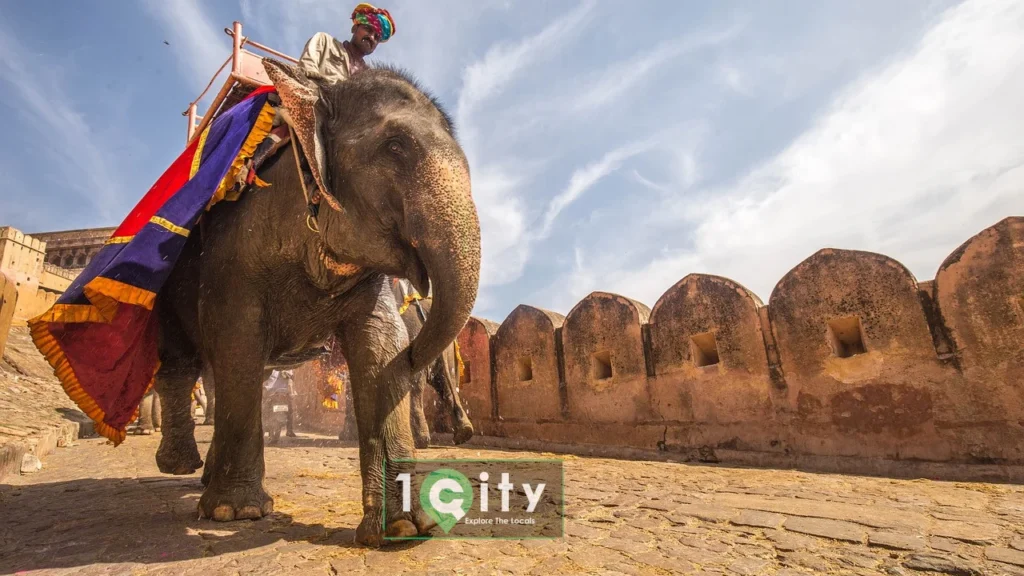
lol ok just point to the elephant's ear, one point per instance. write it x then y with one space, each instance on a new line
300 97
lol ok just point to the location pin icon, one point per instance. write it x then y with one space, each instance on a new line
446 496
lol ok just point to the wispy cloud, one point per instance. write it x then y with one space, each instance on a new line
497 182
503 62
72 144
909 161
586 177
626 75
639 178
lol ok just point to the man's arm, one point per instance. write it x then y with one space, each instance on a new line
313 55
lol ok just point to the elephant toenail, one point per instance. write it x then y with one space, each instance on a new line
402 529
249 513
224 513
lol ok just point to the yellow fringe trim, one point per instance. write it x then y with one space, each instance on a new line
199 153
164 223
105 294
70 314
264 122
119 240
48 346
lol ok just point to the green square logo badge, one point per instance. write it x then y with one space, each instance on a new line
481 499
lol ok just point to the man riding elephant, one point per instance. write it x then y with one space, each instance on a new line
275 274
329 61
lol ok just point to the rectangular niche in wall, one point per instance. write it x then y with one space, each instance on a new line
601 365
524 368
704 349
846 337
467 373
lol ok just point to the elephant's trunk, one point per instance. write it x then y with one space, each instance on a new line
445 231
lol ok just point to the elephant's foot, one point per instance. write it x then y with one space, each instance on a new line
240 502
370 532
178 454
463 432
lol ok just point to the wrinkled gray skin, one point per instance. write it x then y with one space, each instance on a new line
255 289
443 377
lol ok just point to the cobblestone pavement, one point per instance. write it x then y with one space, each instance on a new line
94 509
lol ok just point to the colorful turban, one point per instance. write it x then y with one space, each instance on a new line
377 18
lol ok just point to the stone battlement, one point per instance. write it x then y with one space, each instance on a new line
851 356
23 258
18 237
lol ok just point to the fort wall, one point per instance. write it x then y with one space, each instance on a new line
21 258
851 356
26 259
8 302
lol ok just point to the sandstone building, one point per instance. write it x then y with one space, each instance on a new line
73 249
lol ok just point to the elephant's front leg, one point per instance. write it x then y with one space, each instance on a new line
375 342
445 381
235 468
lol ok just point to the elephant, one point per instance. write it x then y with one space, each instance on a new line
443 377
267 279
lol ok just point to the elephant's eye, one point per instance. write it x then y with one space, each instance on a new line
395 147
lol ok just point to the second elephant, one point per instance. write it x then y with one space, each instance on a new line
442 375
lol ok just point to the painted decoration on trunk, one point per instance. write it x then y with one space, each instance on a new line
100 336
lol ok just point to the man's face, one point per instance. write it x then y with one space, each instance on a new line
364 38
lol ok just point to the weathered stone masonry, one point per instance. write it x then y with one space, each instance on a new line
852 356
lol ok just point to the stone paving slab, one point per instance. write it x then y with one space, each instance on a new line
95 509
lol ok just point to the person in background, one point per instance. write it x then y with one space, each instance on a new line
199 397
150 413
281 381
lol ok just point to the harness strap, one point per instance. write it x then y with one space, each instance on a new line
312 203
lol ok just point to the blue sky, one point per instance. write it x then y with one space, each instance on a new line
610 149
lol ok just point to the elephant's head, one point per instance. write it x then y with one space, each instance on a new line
395 188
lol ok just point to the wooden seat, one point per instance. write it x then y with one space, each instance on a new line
246 75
